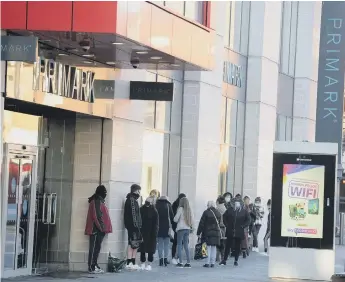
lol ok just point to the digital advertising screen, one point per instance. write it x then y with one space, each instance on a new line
302 201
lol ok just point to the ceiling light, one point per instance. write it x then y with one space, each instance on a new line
117 43
63 54
141 52
110 63
175 65
156 58
87 62
88 55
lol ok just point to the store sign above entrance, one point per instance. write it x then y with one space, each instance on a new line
232 74
153 91
19 48
64 80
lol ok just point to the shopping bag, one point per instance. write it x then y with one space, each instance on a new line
200 251
115 264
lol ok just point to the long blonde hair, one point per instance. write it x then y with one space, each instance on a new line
184 203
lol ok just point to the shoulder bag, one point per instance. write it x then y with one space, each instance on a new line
222 233
171 232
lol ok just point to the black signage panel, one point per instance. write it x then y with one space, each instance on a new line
104 89
152 91
19 48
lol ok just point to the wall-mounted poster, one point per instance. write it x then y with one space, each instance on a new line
303 201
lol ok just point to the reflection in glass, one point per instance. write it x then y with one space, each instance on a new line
149 116
11 242
194 10
163 112
223 168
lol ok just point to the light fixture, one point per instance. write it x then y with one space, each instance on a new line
117 43
110 63
87 62
141 52
175 65
156 58
88 55
63 54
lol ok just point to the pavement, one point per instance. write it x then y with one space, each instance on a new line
254 268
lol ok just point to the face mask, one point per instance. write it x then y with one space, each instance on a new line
227 199
237 205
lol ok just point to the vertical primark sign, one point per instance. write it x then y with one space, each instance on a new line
330 90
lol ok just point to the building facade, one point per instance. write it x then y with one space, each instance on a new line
244 74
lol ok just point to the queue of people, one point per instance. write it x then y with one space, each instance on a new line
226 227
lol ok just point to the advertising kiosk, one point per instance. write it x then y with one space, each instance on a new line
303 211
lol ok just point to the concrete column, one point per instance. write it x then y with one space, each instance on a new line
200 148
261 99
306 70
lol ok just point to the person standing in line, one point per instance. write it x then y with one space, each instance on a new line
245 241
166 218
268 231
155 195
236 220
133 224
184 220
222 209
258 212
149 231
209 230
98 224
228 197
175 206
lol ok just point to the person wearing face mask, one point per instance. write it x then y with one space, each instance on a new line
227 197
133 224
268 231
155 195
258 212
98 224
236 219
149 231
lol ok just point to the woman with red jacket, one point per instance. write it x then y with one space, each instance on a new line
98 224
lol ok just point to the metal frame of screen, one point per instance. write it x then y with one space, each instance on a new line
329 161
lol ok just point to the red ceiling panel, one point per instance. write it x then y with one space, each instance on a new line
13 15
50 15
94 16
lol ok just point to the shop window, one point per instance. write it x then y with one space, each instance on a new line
194 11
176 6
223 120
231 121
281 128
149 115
288 133
240 124
231 170
176 108
223 168
227 23
238 170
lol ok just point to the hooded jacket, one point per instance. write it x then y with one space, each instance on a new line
98 219
132 216
165 213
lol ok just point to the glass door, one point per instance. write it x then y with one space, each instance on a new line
18 211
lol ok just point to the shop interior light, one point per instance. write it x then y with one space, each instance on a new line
141 52
63 54
156 58
110 63
117 43
88 55
175 65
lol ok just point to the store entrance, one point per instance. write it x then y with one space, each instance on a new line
19 180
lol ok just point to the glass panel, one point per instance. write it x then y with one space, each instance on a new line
238 170
174 166
223 168
153 156
176 108
24 211
163 111
227 23
149 116
176 6
240 124
288 132
231 123
281 128
231 170
11 238
194 10
222 119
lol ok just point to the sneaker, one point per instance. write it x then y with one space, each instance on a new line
143 266
235 263
129 266
179 265
206 265
187 265
174 261
136 267
148 268
212 265
222 263
92 271
98 270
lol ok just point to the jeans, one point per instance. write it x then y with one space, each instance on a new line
163 246
235 244
95 244
221 249
183 240
211 254
256 230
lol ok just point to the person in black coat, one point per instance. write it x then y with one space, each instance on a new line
209 231
149 231
175 206
236 219
166 218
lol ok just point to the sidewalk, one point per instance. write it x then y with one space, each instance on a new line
254 268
